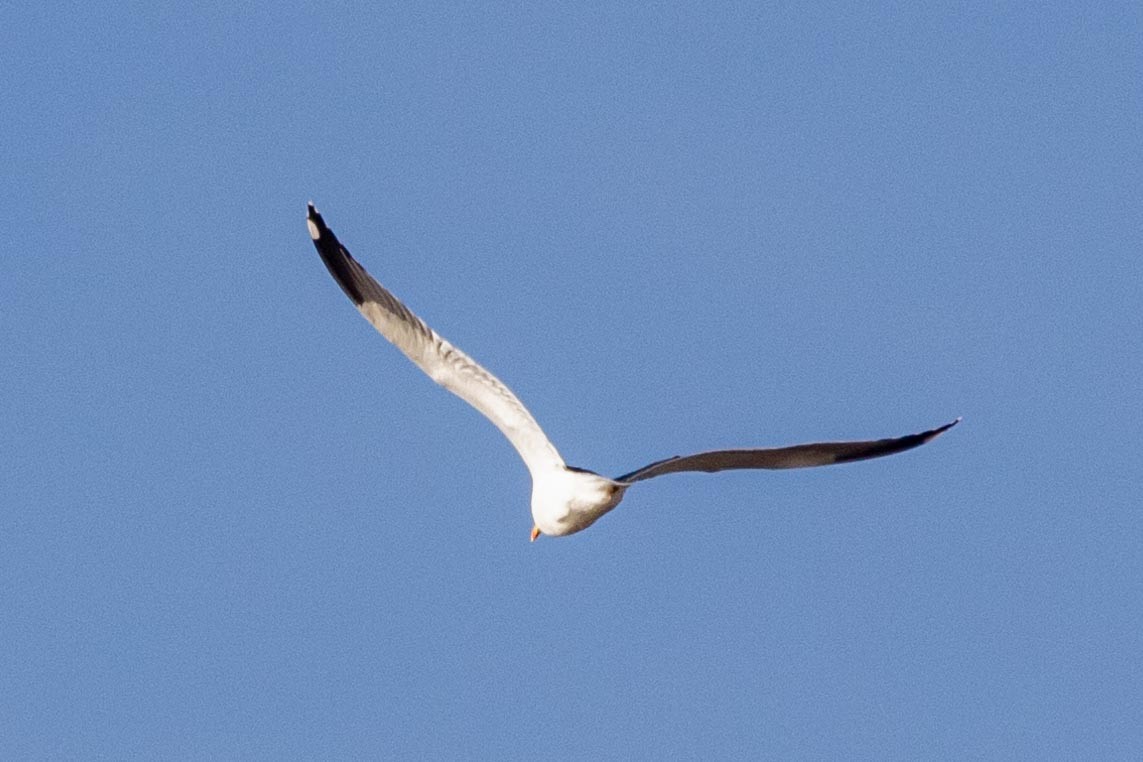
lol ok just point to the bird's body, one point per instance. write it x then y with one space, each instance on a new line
565 499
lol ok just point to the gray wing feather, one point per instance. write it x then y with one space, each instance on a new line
796 456
444 363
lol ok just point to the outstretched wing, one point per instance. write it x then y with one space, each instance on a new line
444 363
796 456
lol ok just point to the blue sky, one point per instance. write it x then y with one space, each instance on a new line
236 523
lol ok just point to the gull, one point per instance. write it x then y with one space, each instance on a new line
565 499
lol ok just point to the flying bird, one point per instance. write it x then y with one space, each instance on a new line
565 499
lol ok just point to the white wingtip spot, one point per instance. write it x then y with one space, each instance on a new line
314 232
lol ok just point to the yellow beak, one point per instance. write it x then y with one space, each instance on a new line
535 533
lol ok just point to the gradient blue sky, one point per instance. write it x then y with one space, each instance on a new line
236 523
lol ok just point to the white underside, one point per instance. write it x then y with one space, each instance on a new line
564 502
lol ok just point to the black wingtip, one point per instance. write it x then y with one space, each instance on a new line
899 444
337 260
931 435
314 222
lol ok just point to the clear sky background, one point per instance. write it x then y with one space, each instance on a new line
234 522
